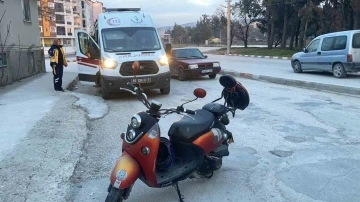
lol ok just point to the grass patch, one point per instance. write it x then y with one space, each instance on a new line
256 51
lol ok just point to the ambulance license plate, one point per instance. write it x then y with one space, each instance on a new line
141 80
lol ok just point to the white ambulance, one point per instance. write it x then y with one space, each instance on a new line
122 36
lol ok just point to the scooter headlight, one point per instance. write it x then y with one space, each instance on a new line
136 121
130 135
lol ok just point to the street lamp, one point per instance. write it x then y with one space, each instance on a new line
228 25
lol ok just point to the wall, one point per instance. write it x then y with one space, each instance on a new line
29 32
22 64
22 61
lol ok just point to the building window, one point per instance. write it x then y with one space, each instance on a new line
60 19
51 5
52 18
69 31
41 30
53 29
68 9
59 7
60 30
69 20
3 61
26 10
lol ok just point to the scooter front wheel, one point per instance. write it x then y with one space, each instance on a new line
115 195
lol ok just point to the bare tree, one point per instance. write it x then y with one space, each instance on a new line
247 11
3 41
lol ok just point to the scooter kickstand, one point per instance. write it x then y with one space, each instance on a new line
181 197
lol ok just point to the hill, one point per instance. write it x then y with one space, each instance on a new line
162 30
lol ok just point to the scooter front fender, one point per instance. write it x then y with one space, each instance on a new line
126 171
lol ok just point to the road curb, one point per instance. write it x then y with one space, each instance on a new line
260 56
72 84
296 83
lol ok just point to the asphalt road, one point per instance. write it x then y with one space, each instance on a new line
290 145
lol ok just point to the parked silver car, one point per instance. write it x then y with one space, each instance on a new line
337 52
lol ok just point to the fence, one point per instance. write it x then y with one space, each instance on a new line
21 63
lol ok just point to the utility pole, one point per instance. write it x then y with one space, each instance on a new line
228 25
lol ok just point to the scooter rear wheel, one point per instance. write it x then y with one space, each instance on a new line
115 195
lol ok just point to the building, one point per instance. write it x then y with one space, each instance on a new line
57 20
97 8
21 55
61 18
87 22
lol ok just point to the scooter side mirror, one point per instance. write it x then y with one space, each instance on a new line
200 93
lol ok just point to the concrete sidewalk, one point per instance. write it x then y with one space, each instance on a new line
25 103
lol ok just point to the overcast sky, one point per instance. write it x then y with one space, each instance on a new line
167 12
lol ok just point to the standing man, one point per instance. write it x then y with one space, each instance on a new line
57 63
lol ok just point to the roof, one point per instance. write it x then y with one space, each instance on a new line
337 33
127 18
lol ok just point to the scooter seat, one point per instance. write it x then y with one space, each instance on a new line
187 129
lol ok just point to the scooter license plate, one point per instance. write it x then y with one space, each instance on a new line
141 80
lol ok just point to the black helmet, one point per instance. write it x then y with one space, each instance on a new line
234 92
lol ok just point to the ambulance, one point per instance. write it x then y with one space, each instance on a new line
122 36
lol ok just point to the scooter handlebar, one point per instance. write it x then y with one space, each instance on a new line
133 88
189 111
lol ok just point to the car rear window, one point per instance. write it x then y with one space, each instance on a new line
356 40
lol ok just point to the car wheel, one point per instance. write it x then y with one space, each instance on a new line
297 66
212 76
339 70
181 74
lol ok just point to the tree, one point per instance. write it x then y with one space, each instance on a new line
178 33
219 21
3 42
234 30
247 12
355 5
3 39
205 27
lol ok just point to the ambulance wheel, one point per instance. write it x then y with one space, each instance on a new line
105 94
165 91
98 80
